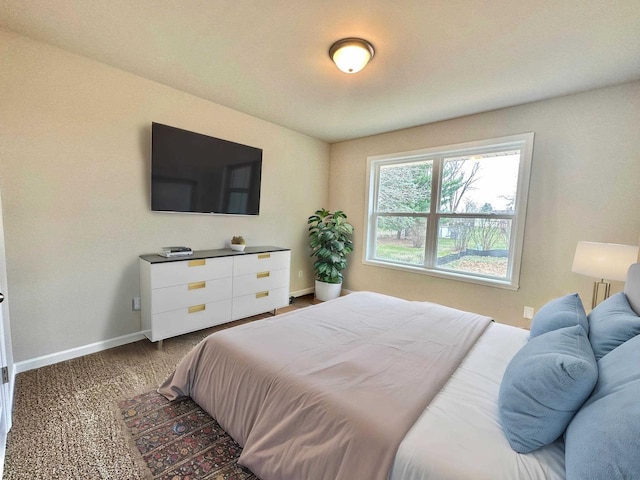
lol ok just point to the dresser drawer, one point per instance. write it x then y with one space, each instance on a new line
178 296
177 322
189 271
260 302
260 262
261 281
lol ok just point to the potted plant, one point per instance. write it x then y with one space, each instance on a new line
330 241
238 244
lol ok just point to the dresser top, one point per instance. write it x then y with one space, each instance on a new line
221 252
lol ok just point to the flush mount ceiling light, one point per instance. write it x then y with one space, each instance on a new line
351 54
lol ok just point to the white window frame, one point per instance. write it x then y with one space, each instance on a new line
522 142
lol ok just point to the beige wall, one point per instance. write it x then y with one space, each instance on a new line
585 185
74 163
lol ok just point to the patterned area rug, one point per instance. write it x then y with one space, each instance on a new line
179 441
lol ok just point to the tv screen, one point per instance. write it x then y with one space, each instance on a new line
195 173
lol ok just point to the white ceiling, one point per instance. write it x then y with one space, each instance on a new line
435 59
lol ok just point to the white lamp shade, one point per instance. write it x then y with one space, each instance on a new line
351 54
609 261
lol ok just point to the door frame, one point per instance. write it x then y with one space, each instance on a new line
6 351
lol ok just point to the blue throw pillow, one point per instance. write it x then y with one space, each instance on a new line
612 323
602 441
562 312
543 386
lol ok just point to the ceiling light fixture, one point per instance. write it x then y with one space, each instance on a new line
351 54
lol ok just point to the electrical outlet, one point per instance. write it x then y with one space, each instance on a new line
300 273
135 303
528 312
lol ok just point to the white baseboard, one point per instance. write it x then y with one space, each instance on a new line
58 357
300 293
309 290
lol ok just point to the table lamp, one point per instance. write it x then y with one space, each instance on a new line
608 261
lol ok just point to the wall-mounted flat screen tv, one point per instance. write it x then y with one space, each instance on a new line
195 173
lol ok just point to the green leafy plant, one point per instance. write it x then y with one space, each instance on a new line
330 241
237 240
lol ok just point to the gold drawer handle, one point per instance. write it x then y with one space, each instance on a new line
197 308
262 294
197 285
198 263
262 256
263 274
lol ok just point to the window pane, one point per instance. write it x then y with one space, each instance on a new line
479 208
401 239
474 245
405 187
484 183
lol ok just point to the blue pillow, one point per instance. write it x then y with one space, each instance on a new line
602 441
562 312
612 323
544 385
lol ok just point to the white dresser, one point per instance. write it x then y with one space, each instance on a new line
210 287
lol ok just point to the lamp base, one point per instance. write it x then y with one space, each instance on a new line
601 291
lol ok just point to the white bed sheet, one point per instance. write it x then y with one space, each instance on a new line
459 436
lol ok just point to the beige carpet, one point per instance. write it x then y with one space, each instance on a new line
65 417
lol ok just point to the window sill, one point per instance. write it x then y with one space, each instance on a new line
461 277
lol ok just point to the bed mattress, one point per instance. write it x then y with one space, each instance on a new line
365 386
458 436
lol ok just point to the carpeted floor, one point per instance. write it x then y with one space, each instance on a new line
66 421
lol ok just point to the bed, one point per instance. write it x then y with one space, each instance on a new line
376 387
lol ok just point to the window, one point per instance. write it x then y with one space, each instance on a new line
456 211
